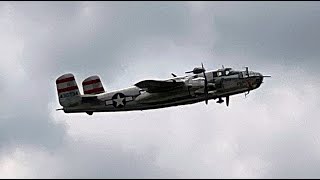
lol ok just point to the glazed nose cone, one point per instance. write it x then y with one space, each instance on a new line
259 79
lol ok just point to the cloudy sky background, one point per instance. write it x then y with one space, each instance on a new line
273 133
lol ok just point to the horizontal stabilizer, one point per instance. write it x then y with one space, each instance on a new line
92 99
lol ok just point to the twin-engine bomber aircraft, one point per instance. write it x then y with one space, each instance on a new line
201 85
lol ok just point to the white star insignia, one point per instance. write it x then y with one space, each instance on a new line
119 101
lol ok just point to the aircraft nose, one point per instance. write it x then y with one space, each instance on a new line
259 79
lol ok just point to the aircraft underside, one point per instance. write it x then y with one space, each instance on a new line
154 94
134 106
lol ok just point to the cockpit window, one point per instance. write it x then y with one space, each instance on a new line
253 74
225 72
214 74
244 74
240 75
234 73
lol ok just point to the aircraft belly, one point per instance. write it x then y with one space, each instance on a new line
157 100
173 102
136 105
230 92
150 98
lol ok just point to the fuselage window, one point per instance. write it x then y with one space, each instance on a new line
240 75
214 74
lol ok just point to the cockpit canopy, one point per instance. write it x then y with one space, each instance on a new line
225 72
251 73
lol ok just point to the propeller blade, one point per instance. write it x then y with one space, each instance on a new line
173 75
266 76
205 84
227 100
246 94
206 93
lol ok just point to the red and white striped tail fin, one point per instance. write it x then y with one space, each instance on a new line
68 91
92 85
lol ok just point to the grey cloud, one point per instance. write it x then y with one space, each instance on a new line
83 159
81 42
284 32
25 117
112 161
272 133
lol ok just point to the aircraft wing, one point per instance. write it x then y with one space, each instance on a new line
155 86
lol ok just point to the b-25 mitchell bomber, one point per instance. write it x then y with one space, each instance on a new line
198 85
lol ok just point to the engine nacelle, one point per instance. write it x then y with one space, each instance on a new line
92 85
226 83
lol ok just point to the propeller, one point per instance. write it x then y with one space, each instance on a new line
173 75
198 70
205 84
227 100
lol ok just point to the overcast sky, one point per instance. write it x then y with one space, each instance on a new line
273 133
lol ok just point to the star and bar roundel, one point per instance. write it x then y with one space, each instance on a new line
118 100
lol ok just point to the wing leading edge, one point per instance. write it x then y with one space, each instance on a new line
155 86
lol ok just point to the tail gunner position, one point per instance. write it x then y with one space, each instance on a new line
198 85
